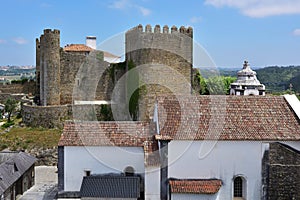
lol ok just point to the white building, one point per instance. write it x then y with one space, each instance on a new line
118 150
210 147
247 83
91 41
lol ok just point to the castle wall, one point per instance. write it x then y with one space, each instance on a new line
283 172
16 88
54 116
5 96
70 64
164 60
50 67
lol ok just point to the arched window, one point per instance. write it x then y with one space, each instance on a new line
129 171
239 188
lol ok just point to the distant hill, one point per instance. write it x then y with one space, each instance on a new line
275 78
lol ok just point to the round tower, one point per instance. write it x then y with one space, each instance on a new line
50 67
37 71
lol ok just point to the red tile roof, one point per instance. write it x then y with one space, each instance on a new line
227 118
78 48
121 133
195 186
107 54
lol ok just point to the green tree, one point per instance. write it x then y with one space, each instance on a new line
10 107
219 84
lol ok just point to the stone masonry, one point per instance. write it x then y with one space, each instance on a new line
281 175
163 59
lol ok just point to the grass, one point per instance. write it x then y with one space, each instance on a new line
28 138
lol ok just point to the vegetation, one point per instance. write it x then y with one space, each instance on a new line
279 78
132 83
28 138
212 85
105 113
10 107
21 81
276 79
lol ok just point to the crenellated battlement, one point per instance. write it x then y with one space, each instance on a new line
55 31
165 30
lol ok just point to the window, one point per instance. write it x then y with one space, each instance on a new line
87 172
129 171
239 188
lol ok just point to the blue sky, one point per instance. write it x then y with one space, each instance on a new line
265 32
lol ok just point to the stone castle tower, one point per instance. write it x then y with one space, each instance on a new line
164 60
48 67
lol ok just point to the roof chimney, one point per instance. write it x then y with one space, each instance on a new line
91 41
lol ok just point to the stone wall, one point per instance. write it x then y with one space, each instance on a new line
55 116
70 64
283 172
17 88
164 62
45 116
5 96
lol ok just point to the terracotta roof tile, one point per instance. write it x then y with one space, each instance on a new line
195 186
107 54
78 48
227 118
121 133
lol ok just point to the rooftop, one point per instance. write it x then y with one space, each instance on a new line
14 166
195 186
115 133
77 48
110 186
227 118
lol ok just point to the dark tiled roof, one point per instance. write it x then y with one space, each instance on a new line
110 186
123 133
195 186
227 118
13 168
77 48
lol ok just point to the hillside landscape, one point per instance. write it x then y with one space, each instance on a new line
277 79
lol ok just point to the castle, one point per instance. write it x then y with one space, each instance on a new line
181 146
158 61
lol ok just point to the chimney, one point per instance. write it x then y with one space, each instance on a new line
91 41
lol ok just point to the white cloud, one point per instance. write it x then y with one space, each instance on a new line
129 5
144 11
195 20
20 40
296 32
2 41
260 8
120 4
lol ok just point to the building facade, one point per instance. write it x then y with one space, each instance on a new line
230 147
16 174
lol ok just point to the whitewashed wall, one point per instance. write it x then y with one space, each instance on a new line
152 183
177 196
225 161
99 160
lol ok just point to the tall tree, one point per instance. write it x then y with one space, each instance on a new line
10 107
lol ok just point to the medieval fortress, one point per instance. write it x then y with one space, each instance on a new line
162 58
